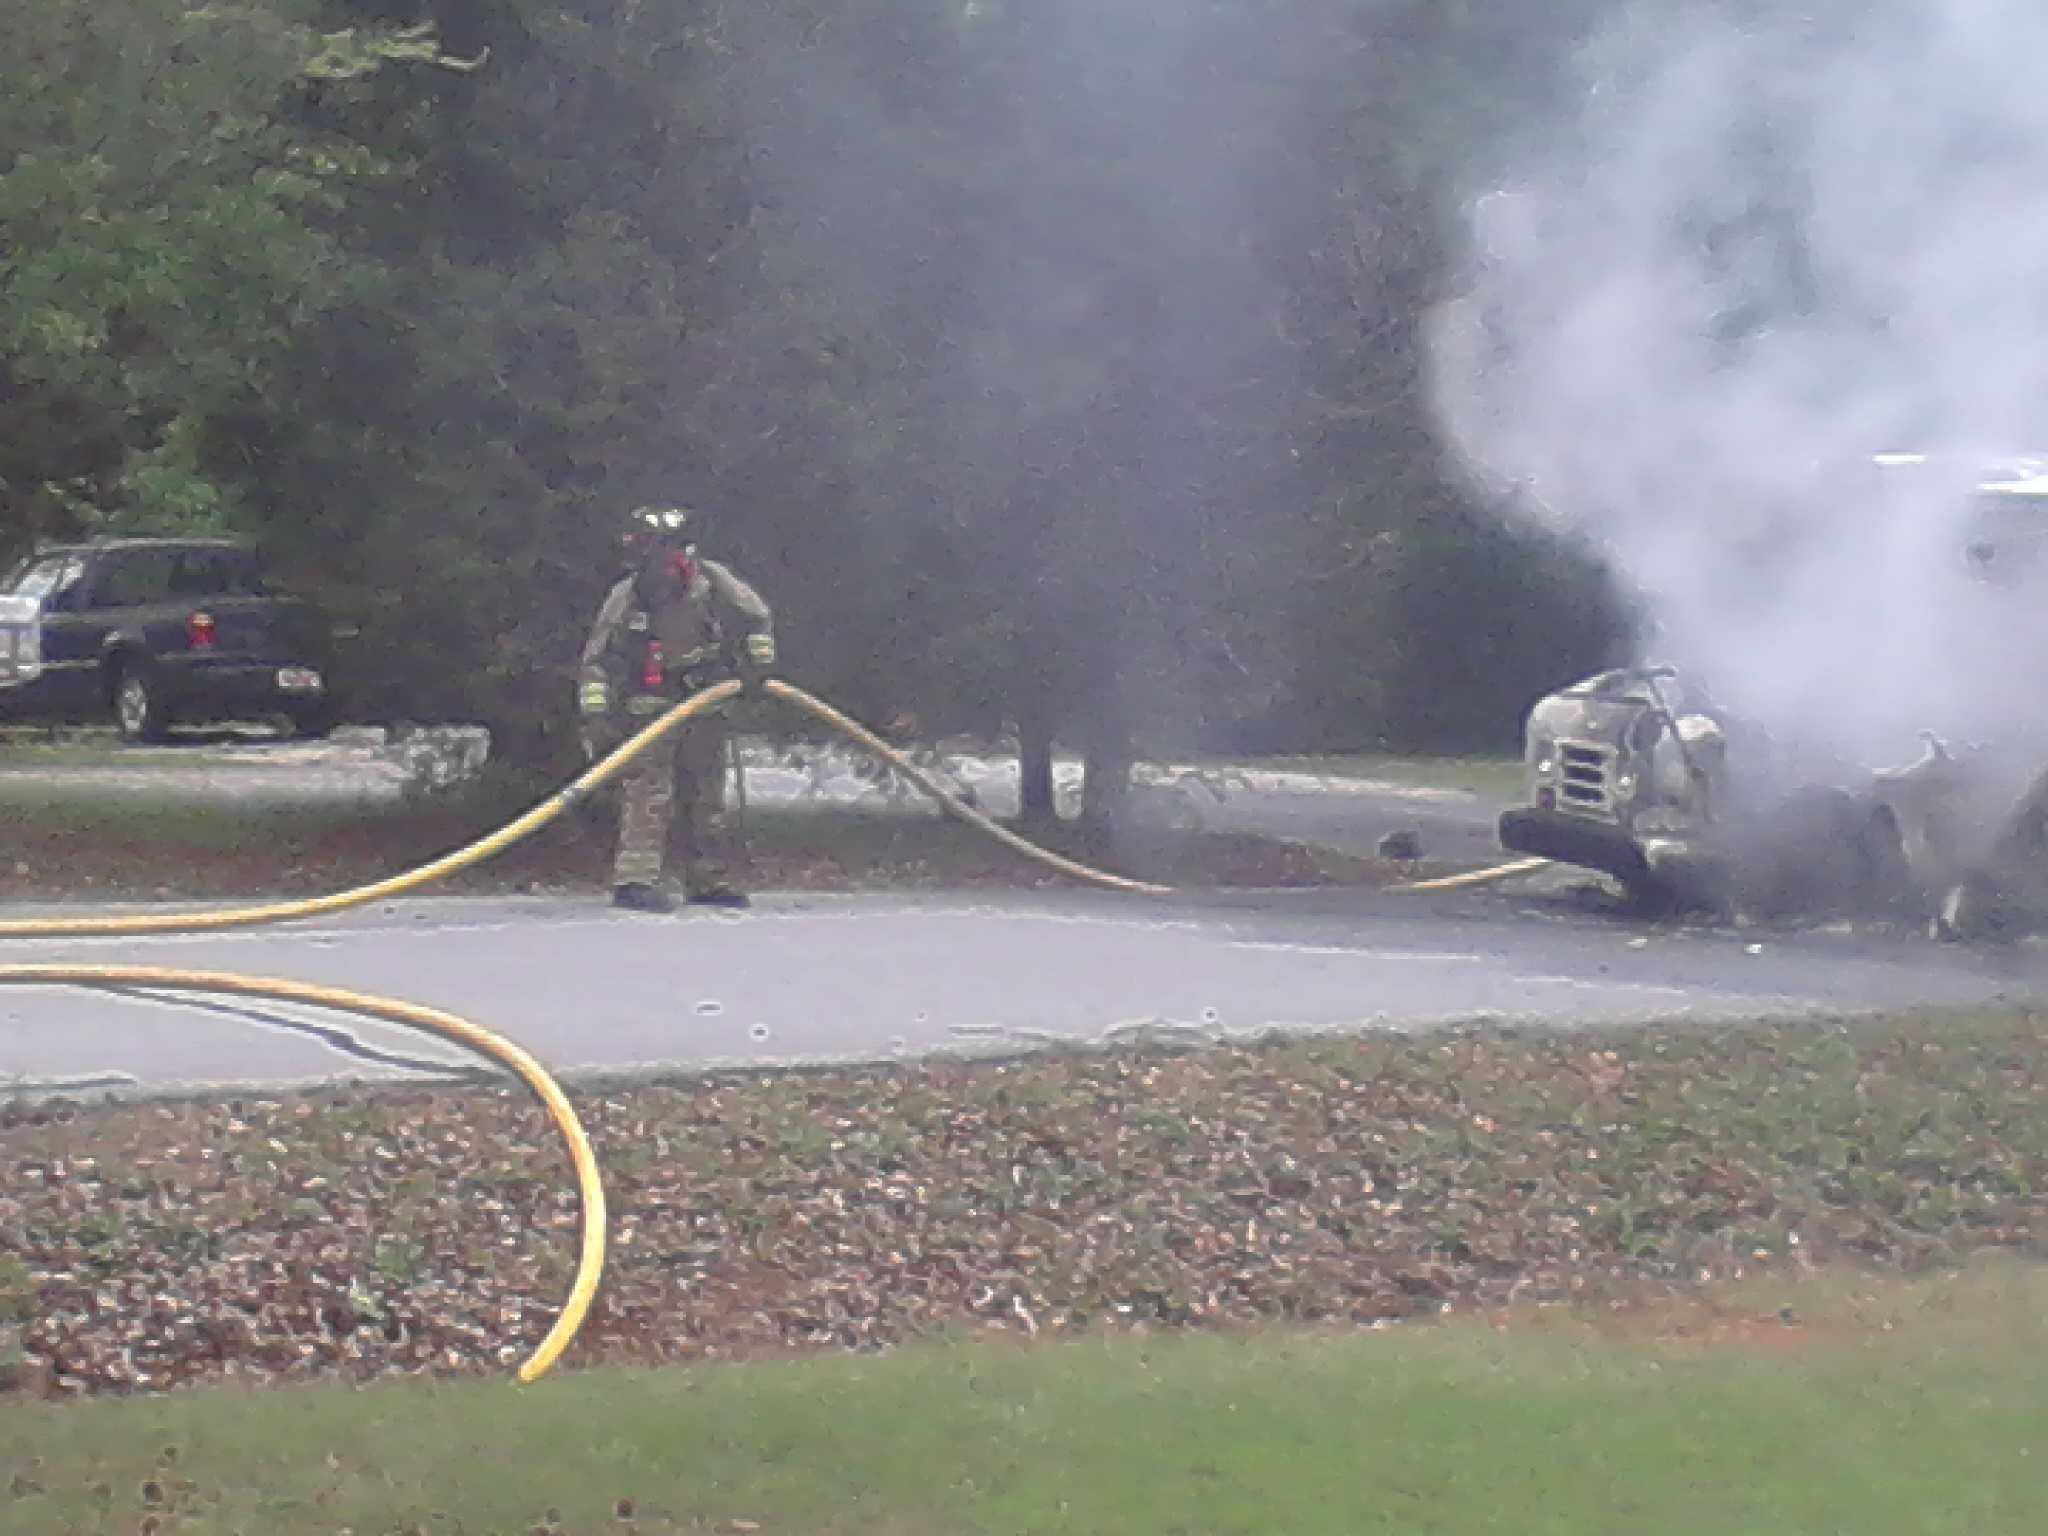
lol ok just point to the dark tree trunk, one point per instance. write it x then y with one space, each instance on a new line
533 735
1034 761
1106 776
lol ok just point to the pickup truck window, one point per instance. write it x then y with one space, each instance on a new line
39 578
135 577
216 573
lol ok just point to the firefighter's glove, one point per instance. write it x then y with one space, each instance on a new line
757 663
593 699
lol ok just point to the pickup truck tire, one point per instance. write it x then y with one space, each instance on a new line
139 712
311 722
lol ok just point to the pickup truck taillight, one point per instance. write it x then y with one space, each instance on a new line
201 632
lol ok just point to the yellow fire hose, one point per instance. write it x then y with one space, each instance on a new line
1473 877
594 777
951 802
589 1185
955 806
591 1262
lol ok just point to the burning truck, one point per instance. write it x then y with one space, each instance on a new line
1639 774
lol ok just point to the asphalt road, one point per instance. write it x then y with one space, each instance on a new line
806 979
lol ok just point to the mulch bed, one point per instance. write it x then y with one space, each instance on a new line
147 1246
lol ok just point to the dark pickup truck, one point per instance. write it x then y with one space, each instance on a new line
156 631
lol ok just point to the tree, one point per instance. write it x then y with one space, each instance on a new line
168 234
1055 365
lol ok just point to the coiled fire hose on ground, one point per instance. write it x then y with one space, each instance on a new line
589 1185
590 1266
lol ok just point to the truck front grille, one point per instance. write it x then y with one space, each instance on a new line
1582 776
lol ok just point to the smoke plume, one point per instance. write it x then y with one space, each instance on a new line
1771 245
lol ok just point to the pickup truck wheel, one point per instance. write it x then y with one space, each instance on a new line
139 711
310 722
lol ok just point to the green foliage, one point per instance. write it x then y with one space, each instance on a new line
351 54
1045 364
169 232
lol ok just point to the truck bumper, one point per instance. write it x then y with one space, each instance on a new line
228 684
24 698
1573 840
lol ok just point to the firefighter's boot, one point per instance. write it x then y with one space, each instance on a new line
635 897
717 893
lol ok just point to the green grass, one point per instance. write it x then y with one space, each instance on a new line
94 843
177 820
43 755
1924 1411
89 841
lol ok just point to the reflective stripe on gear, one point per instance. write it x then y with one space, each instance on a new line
594 699
647 704
677 787
761 649
644 813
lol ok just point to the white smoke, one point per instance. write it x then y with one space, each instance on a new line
1769 248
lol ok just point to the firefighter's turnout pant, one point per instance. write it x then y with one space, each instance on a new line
683 771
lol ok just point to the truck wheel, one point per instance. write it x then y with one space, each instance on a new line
139 712
311 722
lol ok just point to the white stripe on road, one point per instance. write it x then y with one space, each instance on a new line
1763 1002
1606 984
1414 956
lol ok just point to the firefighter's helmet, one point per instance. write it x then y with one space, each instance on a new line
655 526
670 524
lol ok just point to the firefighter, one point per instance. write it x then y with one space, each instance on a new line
673 624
